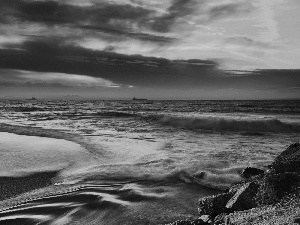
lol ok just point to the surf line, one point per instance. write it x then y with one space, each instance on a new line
59 193
45 196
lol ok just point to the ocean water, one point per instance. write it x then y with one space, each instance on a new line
135 162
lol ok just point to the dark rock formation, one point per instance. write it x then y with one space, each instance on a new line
206 218
289 160
273 197
250 172
214 205
297 220
274 186
190 222
220 219
243 198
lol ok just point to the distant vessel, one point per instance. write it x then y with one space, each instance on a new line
139 99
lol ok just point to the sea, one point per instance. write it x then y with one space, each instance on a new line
134 162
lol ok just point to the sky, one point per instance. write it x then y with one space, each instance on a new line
171 49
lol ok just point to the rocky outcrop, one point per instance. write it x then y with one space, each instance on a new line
289 160
249 172
214 205
203 220
271 197
274 186
243 199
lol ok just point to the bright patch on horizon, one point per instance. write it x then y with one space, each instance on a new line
63 79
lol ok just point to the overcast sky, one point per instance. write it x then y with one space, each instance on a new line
170 49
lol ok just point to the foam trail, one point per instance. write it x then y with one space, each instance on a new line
85 199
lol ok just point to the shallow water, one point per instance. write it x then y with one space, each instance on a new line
143 162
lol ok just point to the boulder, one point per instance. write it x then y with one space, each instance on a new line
206 218
190 222
288 160
249 172
270 197
244 198
274 186
214 205
297 220
220 219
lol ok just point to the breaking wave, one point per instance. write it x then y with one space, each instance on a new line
224 124
115 114
208 179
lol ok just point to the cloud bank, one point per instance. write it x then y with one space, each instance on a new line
178 45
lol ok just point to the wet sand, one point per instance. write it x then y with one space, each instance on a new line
13 186
29 162
21 154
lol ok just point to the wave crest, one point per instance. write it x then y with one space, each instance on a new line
225 124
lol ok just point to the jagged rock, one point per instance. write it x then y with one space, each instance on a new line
206 218
274 186
289 160
189 222
274 194
243 198
220 219
297 220
214 205
284 212
235 187
250 172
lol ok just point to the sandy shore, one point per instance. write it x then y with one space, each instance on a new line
13 186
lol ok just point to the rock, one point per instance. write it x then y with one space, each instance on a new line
269 215
180 222
214 205
250 172
220 219
272 197
274 186
289 160
297 220
189 222
206 218
235 187
243 198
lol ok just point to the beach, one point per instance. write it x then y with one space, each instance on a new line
136 162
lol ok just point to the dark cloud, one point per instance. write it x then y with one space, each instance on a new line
113 19
52 12
178 9
130 34
136 70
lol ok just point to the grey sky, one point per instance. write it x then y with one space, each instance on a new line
181 49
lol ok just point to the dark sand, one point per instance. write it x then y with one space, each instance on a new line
13 186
